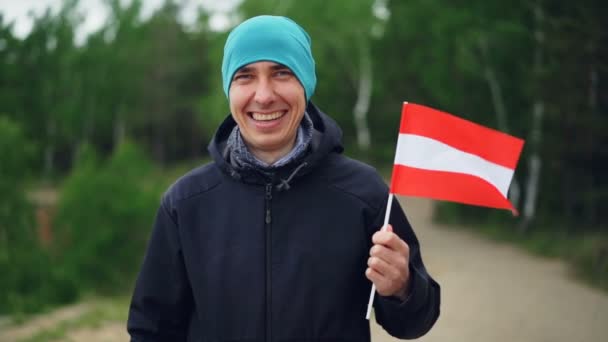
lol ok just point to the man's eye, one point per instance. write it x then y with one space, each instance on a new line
241 77
283 73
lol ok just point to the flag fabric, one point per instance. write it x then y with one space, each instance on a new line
444 157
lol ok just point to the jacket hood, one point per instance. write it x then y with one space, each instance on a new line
327 138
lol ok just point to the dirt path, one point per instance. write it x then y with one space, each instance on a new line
490 292
43 322
495 292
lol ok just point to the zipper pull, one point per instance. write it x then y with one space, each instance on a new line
268 191
268 198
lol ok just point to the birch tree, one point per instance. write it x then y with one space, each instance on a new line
535 138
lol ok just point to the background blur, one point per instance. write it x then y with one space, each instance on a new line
104 103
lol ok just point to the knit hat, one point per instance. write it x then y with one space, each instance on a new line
274 39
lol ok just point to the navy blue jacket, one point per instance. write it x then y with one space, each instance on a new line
236 255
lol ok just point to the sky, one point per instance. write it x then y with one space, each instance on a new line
95 13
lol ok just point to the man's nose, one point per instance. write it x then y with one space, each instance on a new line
264 93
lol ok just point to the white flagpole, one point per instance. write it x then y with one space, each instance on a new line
386 217
389 204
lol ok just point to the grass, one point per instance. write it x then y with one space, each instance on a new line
102 310
591 260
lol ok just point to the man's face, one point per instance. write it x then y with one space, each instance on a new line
267 102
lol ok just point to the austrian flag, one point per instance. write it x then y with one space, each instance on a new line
444 157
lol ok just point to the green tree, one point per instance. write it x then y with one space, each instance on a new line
27 283
103 219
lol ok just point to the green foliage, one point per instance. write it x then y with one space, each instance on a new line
16 225
103 219
158 81
213 104
591 259
14 150
132 77
27 283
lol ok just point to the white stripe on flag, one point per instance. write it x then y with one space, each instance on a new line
429 154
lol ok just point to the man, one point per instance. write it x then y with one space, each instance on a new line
278 238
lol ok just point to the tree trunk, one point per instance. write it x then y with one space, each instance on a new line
590 202
534 141
88 129
499 109
120 129
49 149
159 147
364 94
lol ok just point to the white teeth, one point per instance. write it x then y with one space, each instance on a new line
267 117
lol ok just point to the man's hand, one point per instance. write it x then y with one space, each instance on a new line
388 264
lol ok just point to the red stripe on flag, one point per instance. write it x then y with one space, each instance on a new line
448 186
489 144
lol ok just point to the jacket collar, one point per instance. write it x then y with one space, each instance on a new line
326 139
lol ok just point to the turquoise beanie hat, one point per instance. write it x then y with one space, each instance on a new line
274 39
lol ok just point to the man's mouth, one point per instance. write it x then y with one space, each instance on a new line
267 116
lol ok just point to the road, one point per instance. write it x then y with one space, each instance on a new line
496 292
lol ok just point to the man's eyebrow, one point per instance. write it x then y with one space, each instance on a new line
278 67
250 69
244 69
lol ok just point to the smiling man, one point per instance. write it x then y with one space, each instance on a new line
278 238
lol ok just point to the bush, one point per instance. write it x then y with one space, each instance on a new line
103 219
591 259
27 283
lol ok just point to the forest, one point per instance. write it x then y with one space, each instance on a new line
93 132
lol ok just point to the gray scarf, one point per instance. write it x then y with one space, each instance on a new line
241 158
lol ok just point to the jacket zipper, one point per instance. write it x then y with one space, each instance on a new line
268 226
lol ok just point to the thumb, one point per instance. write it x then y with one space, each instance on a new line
389 228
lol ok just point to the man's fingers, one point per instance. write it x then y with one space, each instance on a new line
393 257
390 240
382 284
379 251
375 277
383 268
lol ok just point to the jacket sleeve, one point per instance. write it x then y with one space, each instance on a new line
161 305
414 316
